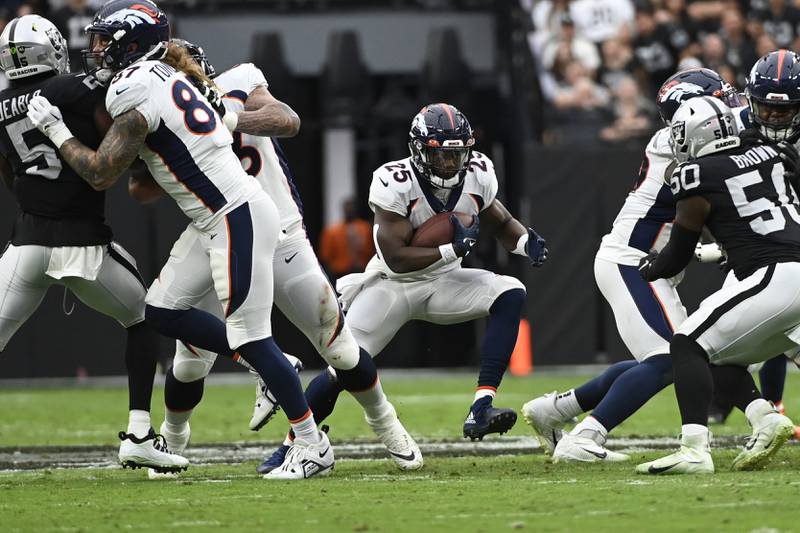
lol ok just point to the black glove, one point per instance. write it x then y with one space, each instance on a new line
791 162
536 248
751 137
645 264
464 238
210 93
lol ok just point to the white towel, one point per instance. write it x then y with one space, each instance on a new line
75 261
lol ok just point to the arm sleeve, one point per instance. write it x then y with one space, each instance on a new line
675 255
130 94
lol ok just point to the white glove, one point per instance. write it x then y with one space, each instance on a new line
708 253
47 118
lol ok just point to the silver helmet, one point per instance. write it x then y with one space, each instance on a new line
702 126
31 45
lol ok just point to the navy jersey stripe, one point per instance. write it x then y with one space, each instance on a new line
240 256
239 95
647 228
646 301
180 162
288 174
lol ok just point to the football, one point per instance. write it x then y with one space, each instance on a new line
438 230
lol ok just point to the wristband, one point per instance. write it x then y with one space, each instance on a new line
231 120
448 253
59 134
521 244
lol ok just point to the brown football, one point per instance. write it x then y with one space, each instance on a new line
438 230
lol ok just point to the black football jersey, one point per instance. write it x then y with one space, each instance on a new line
58 208
754 211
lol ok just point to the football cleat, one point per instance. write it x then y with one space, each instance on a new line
575 448
305 460
685 461
149 452
266 404
545 419
177 442
483 419
273 461
768 436
400 445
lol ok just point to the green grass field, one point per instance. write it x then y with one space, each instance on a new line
449 494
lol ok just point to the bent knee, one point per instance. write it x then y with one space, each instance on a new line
191 370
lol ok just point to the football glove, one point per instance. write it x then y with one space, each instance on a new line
709 253
645 264
214 98
464 238
536 248
48 119
791 161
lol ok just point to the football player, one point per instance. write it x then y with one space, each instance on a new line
60 236
160 117
646 313
302 291
404 282
739 190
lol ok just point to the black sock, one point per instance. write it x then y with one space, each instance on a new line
773 377
501 336
359 378
321 395
633 389
734 385
593 391
141 360
692 375
180 396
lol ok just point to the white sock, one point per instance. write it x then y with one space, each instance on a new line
483 392
568 405
757 409
306 429
592 429
695 436
373 401
289 440
139 422
177 418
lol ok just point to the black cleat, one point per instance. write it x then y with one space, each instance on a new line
486 419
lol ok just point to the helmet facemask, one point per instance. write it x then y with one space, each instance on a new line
97 59
443 164
778 120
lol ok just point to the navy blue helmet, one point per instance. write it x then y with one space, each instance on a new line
773 92
123 32
440 142
691 83
198 55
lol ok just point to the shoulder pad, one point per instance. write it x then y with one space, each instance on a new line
391 185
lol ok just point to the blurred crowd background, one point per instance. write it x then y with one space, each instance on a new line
560 94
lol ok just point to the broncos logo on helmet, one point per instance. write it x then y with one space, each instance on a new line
689 84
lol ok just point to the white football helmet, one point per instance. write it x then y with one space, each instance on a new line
31 45
702 126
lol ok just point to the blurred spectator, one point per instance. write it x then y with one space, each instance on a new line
599 20
780 21
346 247
672 14
71 21
652 47
619 63
713 51
546 17
740 49
764 45
582 50
633 114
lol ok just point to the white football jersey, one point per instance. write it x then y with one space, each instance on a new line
645 221
396 187
265 159
187 148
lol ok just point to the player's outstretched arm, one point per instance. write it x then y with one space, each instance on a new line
6 173
392 237
691 214
512 235
266 116
100 168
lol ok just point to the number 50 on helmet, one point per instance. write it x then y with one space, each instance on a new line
702 126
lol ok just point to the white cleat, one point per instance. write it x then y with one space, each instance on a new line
149 452
685 461
177 442
546 420
304 460
768 436
266 404
575 448
400 445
